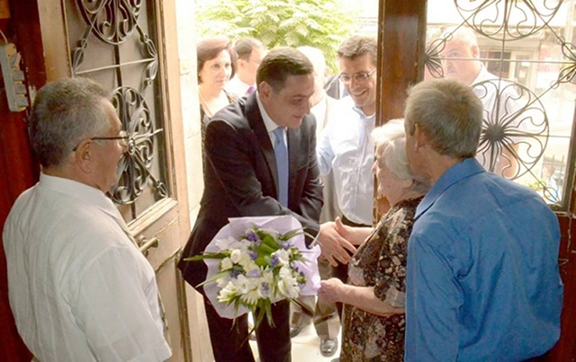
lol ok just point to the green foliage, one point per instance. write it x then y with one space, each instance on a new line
323 24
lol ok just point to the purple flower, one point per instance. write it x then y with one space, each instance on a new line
275 260
234 273
265 289
254 273
285 245
253 255
252 236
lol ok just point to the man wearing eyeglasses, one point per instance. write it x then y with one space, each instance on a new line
345 145
79 288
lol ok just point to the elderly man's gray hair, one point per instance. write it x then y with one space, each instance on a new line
449 114
65 112
463 35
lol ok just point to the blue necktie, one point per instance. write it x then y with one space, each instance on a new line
281 152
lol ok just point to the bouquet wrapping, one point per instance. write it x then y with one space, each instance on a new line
254 262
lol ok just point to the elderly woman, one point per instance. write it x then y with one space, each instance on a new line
373 298
216 62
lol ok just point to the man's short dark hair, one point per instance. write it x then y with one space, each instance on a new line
65 112
244 46
279 64
358 46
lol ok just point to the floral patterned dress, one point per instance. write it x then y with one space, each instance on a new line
380 263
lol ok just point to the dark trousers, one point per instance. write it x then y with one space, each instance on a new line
341 271
230 340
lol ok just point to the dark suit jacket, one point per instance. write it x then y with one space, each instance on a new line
240 177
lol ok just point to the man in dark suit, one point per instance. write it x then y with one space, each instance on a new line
261 160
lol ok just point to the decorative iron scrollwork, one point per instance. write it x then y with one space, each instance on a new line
507 19
515 127
432 58
112 21
134 166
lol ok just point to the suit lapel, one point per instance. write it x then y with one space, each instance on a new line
257 125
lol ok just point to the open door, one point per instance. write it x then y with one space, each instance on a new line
129 47
532 47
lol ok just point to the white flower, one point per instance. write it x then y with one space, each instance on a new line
288 287
283 256
228 293
285 272
251 298
226 264
235 256
246 261
242 284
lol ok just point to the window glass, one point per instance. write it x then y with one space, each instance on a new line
520 59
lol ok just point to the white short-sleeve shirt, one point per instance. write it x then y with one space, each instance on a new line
79 289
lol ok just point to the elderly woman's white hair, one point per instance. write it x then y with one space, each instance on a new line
392 138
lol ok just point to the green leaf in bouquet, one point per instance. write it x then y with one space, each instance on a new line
261 260
264 249
270 242
204 256
292 233
268 309
215 277
263 309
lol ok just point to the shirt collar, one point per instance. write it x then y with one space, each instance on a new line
365 119
268 122
86 194
482 74
452 176
240 82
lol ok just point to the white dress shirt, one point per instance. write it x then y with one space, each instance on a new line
237 87
270 124
345 146
79 289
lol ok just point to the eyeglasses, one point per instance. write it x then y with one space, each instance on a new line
122 137
358 77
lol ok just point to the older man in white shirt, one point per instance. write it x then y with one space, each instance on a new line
502 106
79 288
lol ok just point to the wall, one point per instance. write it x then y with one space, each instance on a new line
201 349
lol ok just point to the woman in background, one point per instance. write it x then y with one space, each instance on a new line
373 318
216 64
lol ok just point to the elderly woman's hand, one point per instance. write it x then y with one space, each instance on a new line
332 290
355 235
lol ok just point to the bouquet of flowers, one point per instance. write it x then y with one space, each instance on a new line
254 262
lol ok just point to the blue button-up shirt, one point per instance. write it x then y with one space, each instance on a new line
345 146
482 278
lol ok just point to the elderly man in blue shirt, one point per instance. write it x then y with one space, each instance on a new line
482 277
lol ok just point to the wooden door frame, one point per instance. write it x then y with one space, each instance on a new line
19 170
